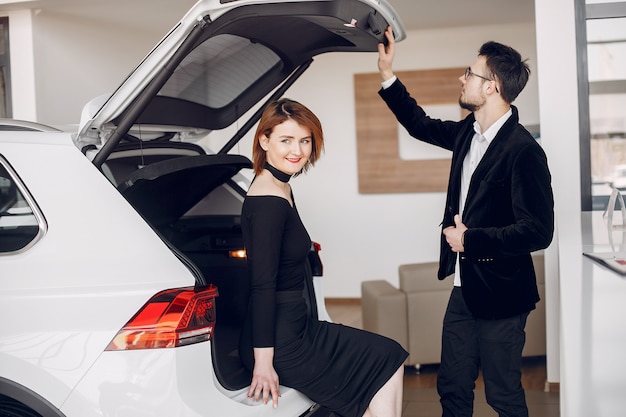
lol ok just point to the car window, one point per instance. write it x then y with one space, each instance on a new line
21 222
214 75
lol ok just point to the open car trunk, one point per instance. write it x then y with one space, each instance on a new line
164 193
192 202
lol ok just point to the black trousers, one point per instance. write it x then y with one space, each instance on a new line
470 344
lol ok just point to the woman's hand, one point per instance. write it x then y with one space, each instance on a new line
264 377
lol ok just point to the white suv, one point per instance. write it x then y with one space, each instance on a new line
123 274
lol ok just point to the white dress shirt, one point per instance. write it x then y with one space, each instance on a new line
478 147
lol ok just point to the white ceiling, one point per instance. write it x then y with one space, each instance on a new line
420 14
415 14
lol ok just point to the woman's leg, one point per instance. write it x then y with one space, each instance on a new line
388 400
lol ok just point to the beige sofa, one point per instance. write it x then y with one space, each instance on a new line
413 314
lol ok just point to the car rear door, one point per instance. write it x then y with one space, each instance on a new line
223 58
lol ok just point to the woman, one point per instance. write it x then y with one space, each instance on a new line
350 371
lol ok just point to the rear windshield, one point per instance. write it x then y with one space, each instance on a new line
214 74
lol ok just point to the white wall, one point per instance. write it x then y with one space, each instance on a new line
560 132
78 58
22 64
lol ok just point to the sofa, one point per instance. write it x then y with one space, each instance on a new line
413 313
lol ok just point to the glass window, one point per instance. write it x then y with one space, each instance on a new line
214 74
606 76
21 222
606 49
5 70
603 1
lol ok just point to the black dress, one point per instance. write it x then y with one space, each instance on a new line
336 366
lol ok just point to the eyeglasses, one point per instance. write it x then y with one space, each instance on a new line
469 73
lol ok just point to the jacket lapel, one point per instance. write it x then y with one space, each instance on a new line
493 153
463 145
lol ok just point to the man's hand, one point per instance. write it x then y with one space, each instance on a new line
386 54
454 235
264 377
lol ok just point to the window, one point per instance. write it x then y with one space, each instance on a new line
215 74
5 70
602 69
21 222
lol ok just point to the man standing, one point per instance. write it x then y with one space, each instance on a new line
499 209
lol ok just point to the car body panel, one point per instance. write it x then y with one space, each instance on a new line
97 292
154 388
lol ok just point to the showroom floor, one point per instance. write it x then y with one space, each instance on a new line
421 399
420 395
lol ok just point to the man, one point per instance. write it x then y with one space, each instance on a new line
499 209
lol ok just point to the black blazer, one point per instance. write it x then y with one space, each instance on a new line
509 210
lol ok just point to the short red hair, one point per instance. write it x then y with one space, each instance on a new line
278 112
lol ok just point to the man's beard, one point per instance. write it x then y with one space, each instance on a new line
468 106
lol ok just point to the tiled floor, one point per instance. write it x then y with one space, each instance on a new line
424 402
421 399
420 395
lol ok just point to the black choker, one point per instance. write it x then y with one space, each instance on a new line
278 174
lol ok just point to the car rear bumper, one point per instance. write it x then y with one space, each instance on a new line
167 382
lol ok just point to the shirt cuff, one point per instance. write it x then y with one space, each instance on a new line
387 83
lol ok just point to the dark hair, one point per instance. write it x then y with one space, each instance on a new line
278 112
507 67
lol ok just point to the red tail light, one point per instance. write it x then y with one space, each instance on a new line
176 317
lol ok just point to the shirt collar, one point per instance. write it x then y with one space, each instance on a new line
493 130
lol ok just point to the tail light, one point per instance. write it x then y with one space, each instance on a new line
171 318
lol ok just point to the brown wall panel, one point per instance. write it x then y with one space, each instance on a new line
380 168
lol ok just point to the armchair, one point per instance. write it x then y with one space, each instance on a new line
413 313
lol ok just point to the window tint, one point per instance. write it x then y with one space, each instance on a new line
21 223
602 66
215 73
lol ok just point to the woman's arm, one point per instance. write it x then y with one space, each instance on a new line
263 235
264 377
